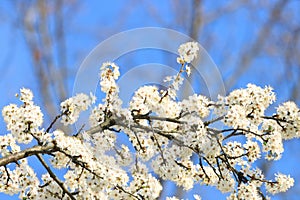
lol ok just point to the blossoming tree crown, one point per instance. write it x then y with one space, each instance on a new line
168 140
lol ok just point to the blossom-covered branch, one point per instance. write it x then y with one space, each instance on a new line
179 141
15 157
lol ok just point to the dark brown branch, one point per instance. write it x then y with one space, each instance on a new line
150 118
26 153
122 189
158 145
235 132
53 122
213 168
80 163
201 165
206 123
7 173
54 177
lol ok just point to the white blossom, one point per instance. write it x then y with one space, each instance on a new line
248 191
26 95
109 73
157 137
188 52
23 120
272 144
253 150
282 184
72 107
290 113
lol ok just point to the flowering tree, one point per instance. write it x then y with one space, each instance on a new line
171 140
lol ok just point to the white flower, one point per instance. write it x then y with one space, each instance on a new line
72 107
253 150
174 138
24 120
282 184
188 52
124 156
234 149
246 106
26 95
8 145
180 60
289 112
232 196
248 191
109 73
115 69
174 83
272 143
196 103
188 70
236 117
226 184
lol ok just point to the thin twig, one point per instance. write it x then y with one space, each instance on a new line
54 177
206 123
53 122
148 117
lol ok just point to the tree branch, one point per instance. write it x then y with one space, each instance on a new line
54 177
26 153
148 117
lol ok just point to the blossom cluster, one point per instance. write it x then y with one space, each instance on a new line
72 107
188 52
25 120
165 139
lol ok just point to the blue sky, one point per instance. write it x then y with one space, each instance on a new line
91 22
